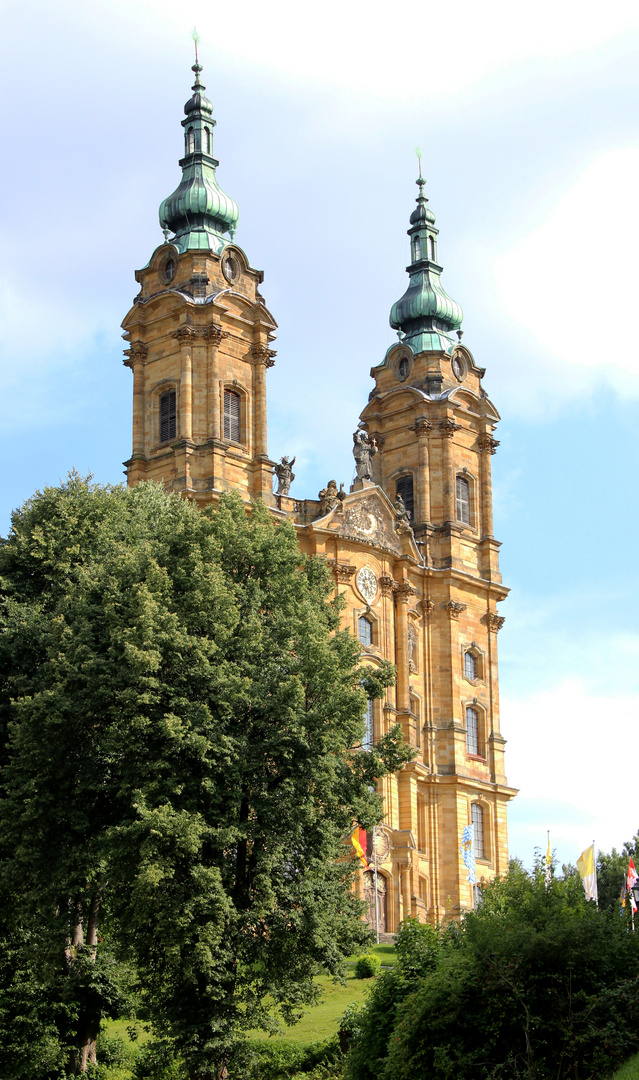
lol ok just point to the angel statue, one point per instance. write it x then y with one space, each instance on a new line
285 475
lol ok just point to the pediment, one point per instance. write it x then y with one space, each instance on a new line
368 517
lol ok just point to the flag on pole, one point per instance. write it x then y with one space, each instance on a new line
358 840
631 877
623 895
588 872
548 865
468 854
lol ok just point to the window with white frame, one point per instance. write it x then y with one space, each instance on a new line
470 665
463 500
231 416
477 822
364 630
369 733
472 730
168 415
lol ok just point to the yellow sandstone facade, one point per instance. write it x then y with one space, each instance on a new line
420 576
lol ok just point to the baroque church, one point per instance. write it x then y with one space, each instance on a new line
410 545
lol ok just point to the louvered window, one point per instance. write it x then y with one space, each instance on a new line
404 487
477 821
463 500
472 731
369 733
470 666
168 416
231 416
365 630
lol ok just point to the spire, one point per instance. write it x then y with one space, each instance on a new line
198 212
425 315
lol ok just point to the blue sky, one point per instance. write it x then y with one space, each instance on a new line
528 123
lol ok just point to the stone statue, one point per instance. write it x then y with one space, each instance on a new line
364 449
403 516
330 497
285 475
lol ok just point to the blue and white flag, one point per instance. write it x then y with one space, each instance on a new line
468 854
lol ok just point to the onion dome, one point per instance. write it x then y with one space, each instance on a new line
425 315
198 212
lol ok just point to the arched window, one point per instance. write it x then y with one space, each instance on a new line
477 822
472 730
470 666
417 249
369 733
463 500
365 630
404 487
190 141
231 416
404 367
207 141
168 415
432 248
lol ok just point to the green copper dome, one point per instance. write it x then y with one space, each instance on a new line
425 315
198 212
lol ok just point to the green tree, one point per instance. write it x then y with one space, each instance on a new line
536 984
182 722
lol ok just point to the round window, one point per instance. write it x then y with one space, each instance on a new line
459 368
230 268
403 368
169 270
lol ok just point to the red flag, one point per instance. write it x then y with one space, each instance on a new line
631 877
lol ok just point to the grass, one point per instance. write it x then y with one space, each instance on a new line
629 1070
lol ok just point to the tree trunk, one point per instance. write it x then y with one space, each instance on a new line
88 1029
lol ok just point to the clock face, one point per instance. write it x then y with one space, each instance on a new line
367 584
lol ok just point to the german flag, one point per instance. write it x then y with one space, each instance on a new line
358 840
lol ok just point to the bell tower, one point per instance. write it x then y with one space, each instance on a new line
199 339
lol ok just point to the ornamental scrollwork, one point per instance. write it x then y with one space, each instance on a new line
214 334
448 427
493 622
454 608
263 355
487 444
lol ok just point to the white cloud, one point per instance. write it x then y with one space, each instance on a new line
572 282
572 754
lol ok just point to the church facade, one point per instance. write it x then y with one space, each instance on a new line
411 544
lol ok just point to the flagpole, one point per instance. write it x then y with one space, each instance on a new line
376 892
594 862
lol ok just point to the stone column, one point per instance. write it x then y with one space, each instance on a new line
185 336
263 359
448 428
136 358
487 446
213 335
422 428
403 591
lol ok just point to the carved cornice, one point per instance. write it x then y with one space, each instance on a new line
263 355
403 591
492 621
136 353
214 334
448 427
342 571
487 444
386 584
454 608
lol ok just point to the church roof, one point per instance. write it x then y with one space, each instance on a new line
199 213
425 315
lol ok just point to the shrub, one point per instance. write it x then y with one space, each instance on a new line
367 966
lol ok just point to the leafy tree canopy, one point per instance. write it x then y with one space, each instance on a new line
181 727
536 983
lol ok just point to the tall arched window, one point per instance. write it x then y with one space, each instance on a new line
463 500
231 416
470 666
417 249
432 248
369 733
190 141
207 141
477 822
365 630
404 487
168 415
472 730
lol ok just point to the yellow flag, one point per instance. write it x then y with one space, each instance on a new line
588 872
